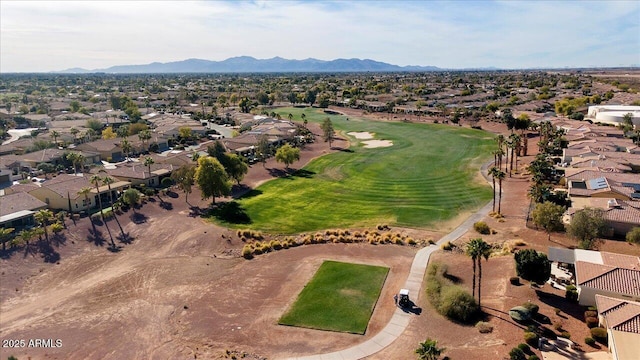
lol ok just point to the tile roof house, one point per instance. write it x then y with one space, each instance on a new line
62 192
137 173
621 215
17 210
601 273
621 318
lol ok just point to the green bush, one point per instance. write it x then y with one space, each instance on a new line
482 228
571 293
532 265
599 334
590 341
247 252
457 304
517 354
531 338
633 236
592 322
484 327
590 313
448 299
565 334
525 348
534 357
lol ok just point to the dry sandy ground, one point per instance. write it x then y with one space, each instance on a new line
180 291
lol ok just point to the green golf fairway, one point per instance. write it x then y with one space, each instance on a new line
430 174
339 297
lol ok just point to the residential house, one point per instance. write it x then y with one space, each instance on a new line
136 173
621 216
17 210
62 193
621 318
601 273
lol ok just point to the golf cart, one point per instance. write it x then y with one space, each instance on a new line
403 299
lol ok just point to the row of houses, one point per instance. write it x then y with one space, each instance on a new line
599 164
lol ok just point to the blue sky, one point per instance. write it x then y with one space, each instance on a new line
54 35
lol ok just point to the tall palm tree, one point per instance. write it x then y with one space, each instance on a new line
471 251
304 119
429 350
27 235
494 173
85 191
148 161
500 175
126 147
96 180
484 251
55 135
74 132
108 180
43 217
144 136
514 141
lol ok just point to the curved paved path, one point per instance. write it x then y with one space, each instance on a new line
400 319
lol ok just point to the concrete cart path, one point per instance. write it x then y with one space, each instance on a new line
400 318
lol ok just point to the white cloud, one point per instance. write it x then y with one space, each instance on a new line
44 36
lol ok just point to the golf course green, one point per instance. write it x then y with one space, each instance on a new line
339 297
428 175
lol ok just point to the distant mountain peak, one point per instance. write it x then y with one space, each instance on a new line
249 64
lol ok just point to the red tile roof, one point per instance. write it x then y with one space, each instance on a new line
608 278
621 315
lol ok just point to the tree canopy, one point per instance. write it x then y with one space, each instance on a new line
287 154
532 265
548 216
211 178
586 226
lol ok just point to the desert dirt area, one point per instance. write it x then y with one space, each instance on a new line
180 289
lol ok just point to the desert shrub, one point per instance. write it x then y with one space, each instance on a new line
257 250
592 322
633 236
590 313
534 357
517 354
571 293
275 244
482 228
525 348
514 280
590 341
431 242
557 311
599 334
484 327
592 308
531 338
247 252
448 246
532 307
519 242
410 241
557 326
457 304
565 334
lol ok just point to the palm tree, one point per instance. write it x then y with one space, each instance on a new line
74 132
484 251
148 161
85 191
55 135
108 180
472 252
494 173
43 217
500 175
4 235
76 159
96 180
126 147
429 350
144 136
27 235
514 144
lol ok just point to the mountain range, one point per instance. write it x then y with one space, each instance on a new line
248 64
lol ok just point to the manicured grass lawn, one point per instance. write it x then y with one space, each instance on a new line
430 174
339 297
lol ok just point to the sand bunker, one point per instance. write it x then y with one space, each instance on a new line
361 135
370 144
